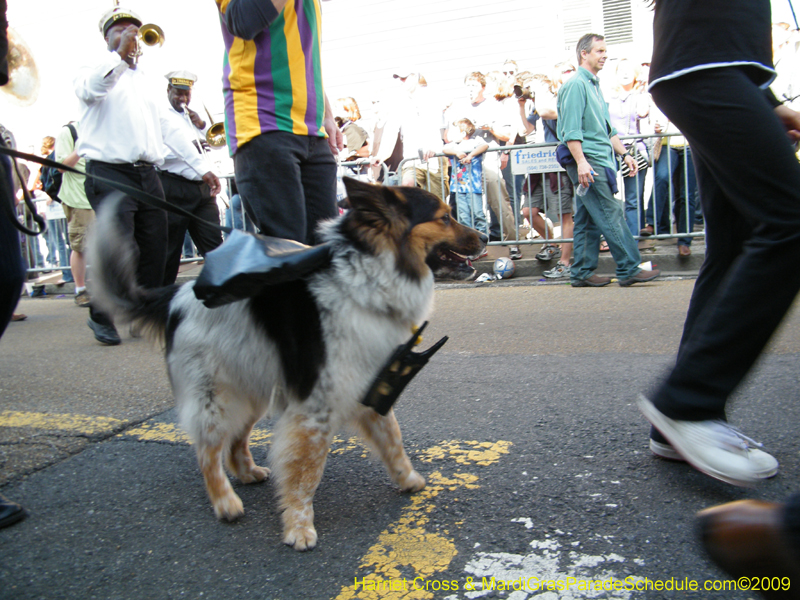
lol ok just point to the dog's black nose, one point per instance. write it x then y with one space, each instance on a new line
483 237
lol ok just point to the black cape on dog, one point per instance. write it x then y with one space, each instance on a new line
246 263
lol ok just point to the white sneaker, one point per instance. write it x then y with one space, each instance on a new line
559 271
713 447
767 466
664 451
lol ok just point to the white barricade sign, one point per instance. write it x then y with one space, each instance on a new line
534 160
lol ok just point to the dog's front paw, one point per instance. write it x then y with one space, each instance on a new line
229 507
254 475
301 538
413 482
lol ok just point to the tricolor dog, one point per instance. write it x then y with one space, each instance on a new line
305 351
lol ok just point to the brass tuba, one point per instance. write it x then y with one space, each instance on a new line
215 136
22 88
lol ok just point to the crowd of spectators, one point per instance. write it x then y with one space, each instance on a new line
455 149
509 106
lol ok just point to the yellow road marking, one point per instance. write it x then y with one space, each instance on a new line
84 424
406 550
466 453
147 432
157 432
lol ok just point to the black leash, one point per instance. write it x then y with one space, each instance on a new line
9 208
131 191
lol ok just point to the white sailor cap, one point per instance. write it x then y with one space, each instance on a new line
183 80
118 14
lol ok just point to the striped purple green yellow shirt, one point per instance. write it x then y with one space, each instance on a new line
272 77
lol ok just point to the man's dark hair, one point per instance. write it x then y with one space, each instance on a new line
585 44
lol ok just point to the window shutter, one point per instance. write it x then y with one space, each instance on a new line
617 21
577 21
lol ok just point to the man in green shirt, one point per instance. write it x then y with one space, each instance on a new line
584 126
76 206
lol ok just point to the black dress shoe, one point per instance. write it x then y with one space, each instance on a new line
10 512
105 334
747 538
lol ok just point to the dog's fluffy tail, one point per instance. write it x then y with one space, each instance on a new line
111 261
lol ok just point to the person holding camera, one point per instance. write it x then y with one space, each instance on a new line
627 107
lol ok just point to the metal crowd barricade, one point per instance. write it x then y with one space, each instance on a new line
686 191
47 252
538 160
527 160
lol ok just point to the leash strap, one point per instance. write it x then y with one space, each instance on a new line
128 190
9 208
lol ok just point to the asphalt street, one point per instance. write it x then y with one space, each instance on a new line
524 426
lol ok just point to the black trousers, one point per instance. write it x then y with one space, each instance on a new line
12 268
144 225
749 185
287 183
194 196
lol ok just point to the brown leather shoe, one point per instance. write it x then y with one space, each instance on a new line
18 317
684 250
646 231
593 281
747 539
10 512
641 277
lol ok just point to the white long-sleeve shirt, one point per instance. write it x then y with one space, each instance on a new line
121 121
181 156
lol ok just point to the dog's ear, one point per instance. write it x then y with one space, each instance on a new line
378 200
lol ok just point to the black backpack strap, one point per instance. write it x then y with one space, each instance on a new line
73 131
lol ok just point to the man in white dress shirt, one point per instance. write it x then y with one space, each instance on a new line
186 175
121 140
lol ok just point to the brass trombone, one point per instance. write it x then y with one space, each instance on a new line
215 136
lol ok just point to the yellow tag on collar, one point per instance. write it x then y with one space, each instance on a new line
414 330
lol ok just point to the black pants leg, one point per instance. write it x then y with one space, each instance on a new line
287 183
145 226
12 269
749 184
197 199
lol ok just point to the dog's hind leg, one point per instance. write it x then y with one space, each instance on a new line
383 435
298 455
227 505
239 459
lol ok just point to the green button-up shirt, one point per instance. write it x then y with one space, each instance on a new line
583 116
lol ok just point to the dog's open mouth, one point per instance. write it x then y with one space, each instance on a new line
448 264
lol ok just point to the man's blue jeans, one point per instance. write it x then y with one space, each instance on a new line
470 211
670 168
236 217
57 245
634 201
596 213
